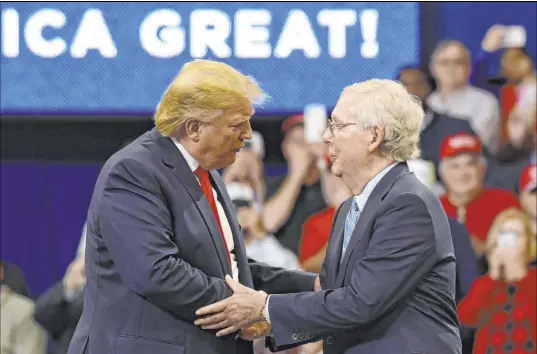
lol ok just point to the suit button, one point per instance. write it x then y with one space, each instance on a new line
329 340
294 336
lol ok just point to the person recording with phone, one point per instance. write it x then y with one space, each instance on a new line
517 75
316 229
516 65
501 304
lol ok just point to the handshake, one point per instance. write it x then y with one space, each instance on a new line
243 312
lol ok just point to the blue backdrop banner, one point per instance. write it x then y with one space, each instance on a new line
117 58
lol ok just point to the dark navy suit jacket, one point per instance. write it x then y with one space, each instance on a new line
154 255
394 291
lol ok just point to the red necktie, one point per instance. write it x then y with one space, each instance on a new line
207 189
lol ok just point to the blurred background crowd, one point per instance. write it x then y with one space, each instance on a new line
478 144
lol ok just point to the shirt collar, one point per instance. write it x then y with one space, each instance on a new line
190 160
362 198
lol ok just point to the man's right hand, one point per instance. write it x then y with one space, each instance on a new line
493 39
75 277
299 158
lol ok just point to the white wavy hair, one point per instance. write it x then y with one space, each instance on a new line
381 102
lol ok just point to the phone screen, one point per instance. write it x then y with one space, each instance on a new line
315 122
514 37
507 239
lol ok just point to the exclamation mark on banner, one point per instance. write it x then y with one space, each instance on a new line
369 20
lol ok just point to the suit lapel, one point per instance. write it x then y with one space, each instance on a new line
366 217
173 158
333 254
238 239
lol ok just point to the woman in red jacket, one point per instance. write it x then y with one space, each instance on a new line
501 304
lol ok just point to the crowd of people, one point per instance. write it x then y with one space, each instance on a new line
478 146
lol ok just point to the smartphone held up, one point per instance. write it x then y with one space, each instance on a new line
315 122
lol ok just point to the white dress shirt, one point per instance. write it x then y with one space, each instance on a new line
362 198
228 234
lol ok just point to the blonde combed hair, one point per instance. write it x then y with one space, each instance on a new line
503 217
203 90
387 103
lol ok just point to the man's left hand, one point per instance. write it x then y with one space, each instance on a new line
240 310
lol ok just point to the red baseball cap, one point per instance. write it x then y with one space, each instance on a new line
292 121
528 179
459 144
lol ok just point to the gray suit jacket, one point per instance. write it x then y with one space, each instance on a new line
394 291
154 255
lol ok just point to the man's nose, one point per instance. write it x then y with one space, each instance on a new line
327 136
248 131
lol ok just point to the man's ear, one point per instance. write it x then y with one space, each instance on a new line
377 137
192 129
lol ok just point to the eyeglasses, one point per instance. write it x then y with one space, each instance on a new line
452 62
337 126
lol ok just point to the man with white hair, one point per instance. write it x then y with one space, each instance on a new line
389 271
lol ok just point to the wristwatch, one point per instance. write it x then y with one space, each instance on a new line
264 310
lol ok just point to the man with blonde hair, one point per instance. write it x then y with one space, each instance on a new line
389 271
161 231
